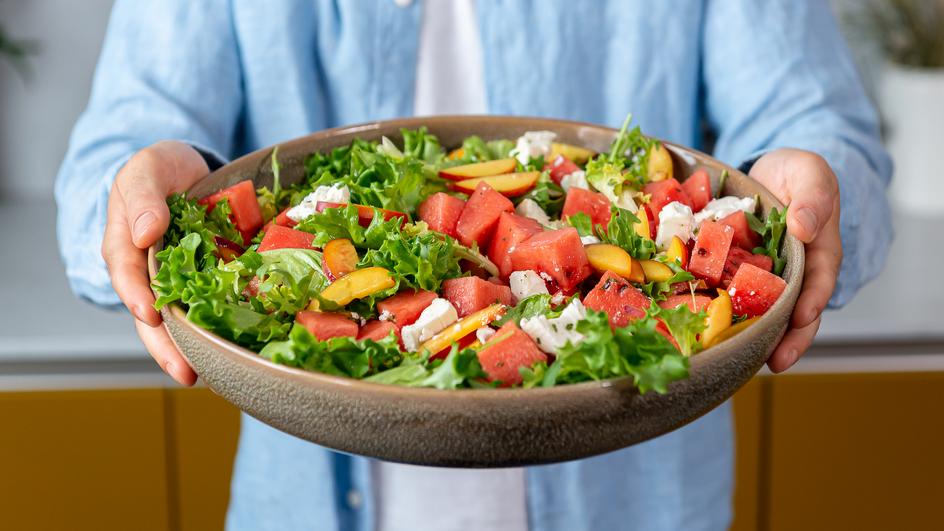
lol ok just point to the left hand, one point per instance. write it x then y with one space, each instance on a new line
804 181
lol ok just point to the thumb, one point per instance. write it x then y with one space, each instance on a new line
810 210
148 178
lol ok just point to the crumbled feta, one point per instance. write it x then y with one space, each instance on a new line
723 207
675 219
577 179
557 298
626 201
552 334
438 315
546 277
482 334
526 283
589 240
385 315
529 208
532 145
336 193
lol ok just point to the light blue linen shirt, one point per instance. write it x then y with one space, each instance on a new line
234 76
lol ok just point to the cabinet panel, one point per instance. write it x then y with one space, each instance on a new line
83 460
856 451
205 429
748 417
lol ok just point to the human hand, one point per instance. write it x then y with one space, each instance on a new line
137 217
804 181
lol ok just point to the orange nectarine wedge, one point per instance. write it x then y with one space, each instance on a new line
731 331
656 271
720 312
642 227
465 326
660 163
509 184
478 169
678 252
456 154
604 257
574 153
356 285
340 258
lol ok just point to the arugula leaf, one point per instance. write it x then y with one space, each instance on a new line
637 350
526 308
772 230
683 324
625 165
546 193
621 231
582 222
657 291
340 356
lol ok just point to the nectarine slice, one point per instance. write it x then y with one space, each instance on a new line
456 154
642 227
656 271
478 169
340 258
465 326
720 312
731 331
574 153
678 252
509 184
356 285
604 257
660 163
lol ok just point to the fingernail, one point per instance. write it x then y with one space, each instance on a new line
170 368
793 356
142 224
807 220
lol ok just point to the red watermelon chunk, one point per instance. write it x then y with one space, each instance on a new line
753 291
480 215
376 330
711 251
744 235
593 204
560 168
698 189
506 352
512 229
695 303
405 307
279 237
621 301
325 325
558 254
441 212
471 294
662 193
738 256
246 214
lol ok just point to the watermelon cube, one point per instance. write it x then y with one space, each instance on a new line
506 352
471 294
441 212
664 192
620 300
738 256
593 204
695 303
279 237
246 214
556 254
405 307
512 229
744 235
480 215
375 330
711 251
325 325
698 189
753 291
560 168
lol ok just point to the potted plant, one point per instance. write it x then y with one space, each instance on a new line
910 35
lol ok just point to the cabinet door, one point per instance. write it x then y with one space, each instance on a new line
748 424
205 430
855 451
82 460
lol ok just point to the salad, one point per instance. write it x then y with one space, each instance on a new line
513 262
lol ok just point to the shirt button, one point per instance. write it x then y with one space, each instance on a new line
354 499
403 3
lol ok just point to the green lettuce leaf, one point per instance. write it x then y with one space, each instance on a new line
547 194
340 356
684 325
772 230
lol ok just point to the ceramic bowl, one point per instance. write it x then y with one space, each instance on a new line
476 427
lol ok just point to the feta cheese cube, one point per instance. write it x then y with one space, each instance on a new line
675 219
577 179
529 208
532 145
552 334
723 207
484 333
438 315
336 193
589 240
526 283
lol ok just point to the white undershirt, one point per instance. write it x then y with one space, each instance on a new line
449 80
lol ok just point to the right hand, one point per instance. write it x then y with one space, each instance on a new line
137 217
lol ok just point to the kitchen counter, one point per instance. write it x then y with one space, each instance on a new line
45 332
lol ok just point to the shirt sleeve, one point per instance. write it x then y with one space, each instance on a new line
168 70
777 74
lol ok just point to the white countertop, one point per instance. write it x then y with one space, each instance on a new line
41 321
